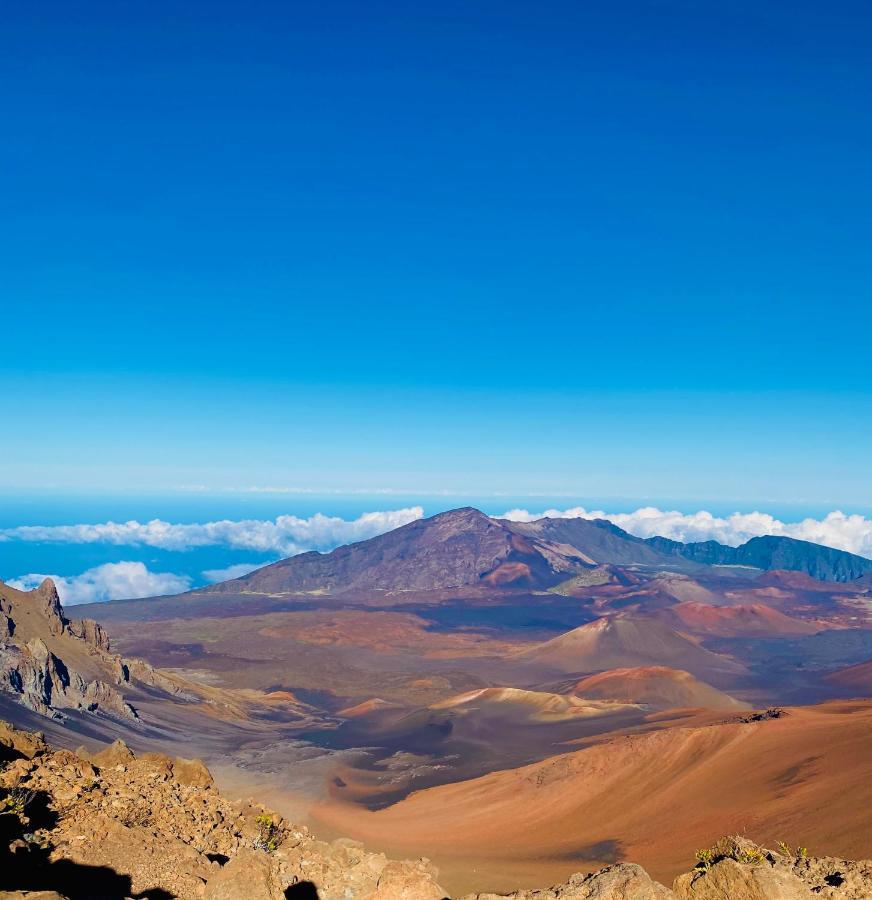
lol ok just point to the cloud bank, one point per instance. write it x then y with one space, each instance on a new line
213 576
844 532
285 535
111 581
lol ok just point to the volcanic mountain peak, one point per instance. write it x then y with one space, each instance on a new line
464 548
458 548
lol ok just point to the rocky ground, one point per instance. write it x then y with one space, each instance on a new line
118 825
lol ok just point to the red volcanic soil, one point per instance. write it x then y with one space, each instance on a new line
652 798
750 620
367 707
508 573
799 581
615 642
658 686
857 677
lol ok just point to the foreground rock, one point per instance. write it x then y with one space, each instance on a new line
738 869
620 882
119 825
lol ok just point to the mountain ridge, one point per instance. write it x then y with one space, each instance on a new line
465 547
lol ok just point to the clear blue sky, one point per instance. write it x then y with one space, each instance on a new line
600 248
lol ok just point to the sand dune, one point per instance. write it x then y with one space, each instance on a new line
534 705
653 798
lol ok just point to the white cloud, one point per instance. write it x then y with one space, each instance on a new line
235 571
285 535
112 581
844 532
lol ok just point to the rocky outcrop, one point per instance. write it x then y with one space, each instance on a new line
139 670
44 684
38 663
7 626
161 828
734 869
618 882
46 595
91 632
739 869
739 881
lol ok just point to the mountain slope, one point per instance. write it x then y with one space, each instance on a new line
537 706
654 797
65 673
747 620
466 548
453 549
772 552
855 678
657 686
599 540
616 642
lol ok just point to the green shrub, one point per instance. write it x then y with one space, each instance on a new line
269 835
794 852
736 848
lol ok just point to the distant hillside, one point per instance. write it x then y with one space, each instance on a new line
772 552
617 642
657 686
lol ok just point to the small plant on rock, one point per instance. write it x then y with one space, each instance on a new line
794 852
15 802
751 856
704 858
268 834
739 849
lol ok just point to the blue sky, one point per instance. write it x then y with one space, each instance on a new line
597 250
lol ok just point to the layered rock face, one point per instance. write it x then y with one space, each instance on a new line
52 664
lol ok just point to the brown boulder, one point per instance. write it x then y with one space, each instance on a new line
31 895
732 880
20 743
407 881
116 754
250 874
192 772
619 882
